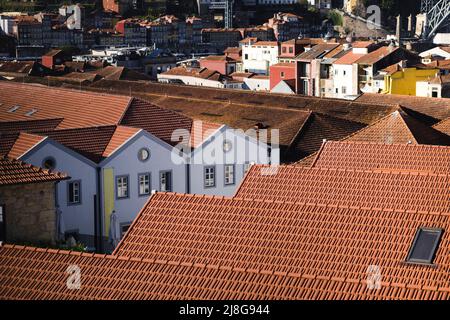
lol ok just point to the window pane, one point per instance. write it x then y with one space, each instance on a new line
144 184
229 174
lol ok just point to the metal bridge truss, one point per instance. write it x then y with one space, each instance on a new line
438 13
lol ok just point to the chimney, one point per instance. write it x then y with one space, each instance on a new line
398 29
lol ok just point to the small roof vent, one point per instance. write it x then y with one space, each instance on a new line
31 112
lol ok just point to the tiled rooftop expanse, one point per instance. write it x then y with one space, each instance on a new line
373 156
391 189
112 277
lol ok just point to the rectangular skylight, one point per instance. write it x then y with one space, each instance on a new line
31 112
14 109
424 246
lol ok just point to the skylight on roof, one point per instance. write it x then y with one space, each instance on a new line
424 246
31 112
14 109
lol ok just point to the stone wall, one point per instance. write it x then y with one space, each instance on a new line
29 212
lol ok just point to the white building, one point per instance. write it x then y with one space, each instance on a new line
194 77
440 51
259 56
116 167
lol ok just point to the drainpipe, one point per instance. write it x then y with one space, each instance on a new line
98 221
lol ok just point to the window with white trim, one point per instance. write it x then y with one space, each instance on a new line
74 192
210 177
229 174
144 184
122 187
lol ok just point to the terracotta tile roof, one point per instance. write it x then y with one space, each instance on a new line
156 120
399 127
90 142
438 108
78 109
266 43
119 73
288 121
362 44
323 242
376 55
378 156
14 172
127 278
348 58
392 189
318 127
95 143
29 125
198 135
443 126
7 141
121 135
23 143
318 51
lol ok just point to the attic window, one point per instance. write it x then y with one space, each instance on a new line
31 112
424 246
14 109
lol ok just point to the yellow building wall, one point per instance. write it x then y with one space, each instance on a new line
108 198
404 82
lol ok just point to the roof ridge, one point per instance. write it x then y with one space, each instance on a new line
223 267
369 125
376 171
304 203
54 88
388 144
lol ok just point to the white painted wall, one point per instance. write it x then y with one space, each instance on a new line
192 81
125 161
345 76
258 59
257 84
78 217
435 52
243 150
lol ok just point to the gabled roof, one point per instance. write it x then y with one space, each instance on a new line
438 108
76 108
348 58
443 126
318 51
318 127
14 172
24 142
376 55
158 121
378 156
29 125
94 143
399 127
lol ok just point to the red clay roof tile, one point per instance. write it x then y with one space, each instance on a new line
391 189
17 172
149 280
373 156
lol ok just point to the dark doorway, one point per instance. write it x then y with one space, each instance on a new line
2 223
